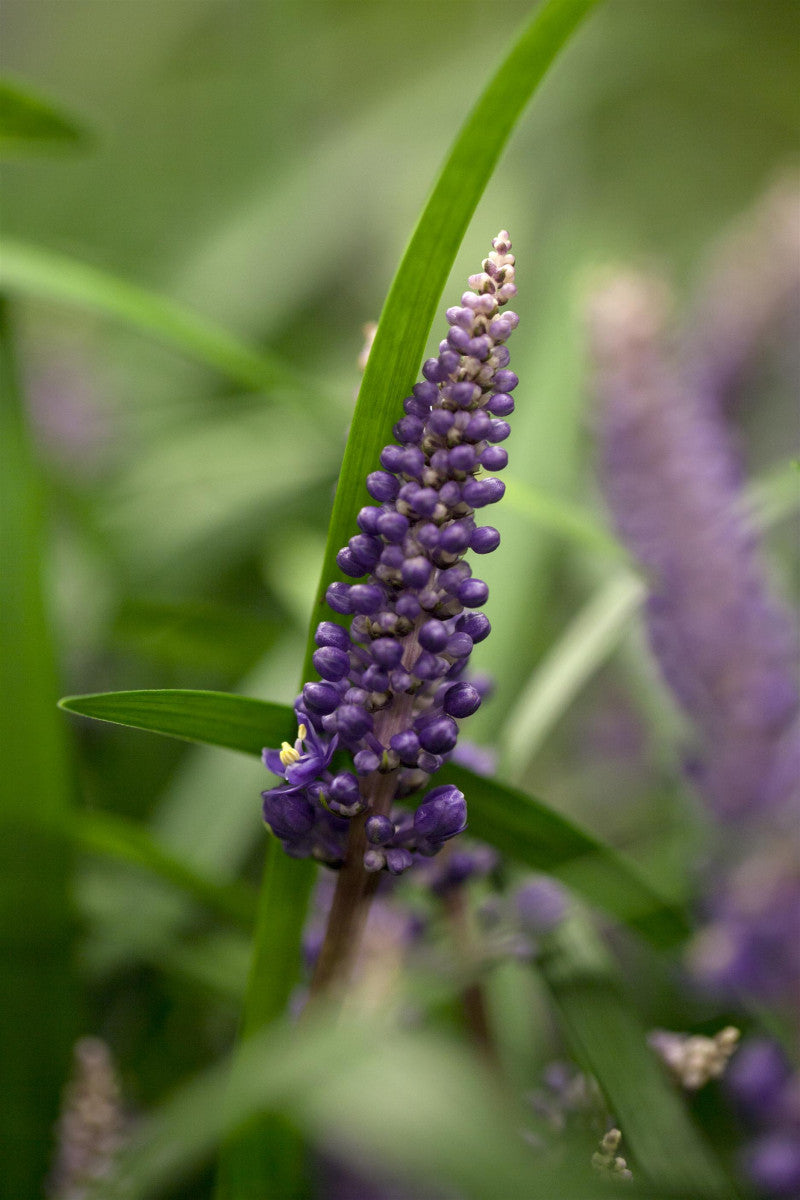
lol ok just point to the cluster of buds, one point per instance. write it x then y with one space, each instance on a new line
607 1161
694 1060
392 686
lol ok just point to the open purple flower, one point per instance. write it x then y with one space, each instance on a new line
306 759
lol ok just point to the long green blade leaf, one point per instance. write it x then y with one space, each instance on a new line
406 1102
29 124
217 718
586 643
528 830
609 1041
417 287
34 271
35 921
518 825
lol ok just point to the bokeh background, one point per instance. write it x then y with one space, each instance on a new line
264 163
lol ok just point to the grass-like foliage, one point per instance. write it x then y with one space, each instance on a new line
515 966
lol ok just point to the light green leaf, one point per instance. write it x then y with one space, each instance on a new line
586 643
409 1104
561 518
29 124
35 271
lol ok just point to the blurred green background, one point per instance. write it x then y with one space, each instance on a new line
263 164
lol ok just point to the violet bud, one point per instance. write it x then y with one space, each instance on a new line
344 788
542 904
433 636
442 814
494 458
398 859
498 431
439 736
338 598
393 526
353 722
416 572
330 634
459 644
461 700
382 486
406 746
480 492
387 652
365 762
484 540
500 405
473 592
477 625
455 538
379 829
331 663
365 598
289 814
505 381
321 697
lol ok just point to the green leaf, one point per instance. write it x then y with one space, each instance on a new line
417 287
217 718
534 834
36 922
35 271
517 824
586 643
407 1103
29 124
609 1041
194 634
560 518
126 841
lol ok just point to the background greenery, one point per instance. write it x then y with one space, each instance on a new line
261 165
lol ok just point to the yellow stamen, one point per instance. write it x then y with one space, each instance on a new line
288 754
302 733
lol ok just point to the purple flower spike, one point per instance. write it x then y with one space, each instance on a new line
393 687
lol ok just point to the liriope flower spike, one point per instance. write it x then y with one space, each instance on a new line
392 688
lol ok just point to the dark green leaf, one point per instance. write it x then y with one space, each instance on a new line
116 837
609 1041
30 124
35 921
528 830
194 633
517 824
217 718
